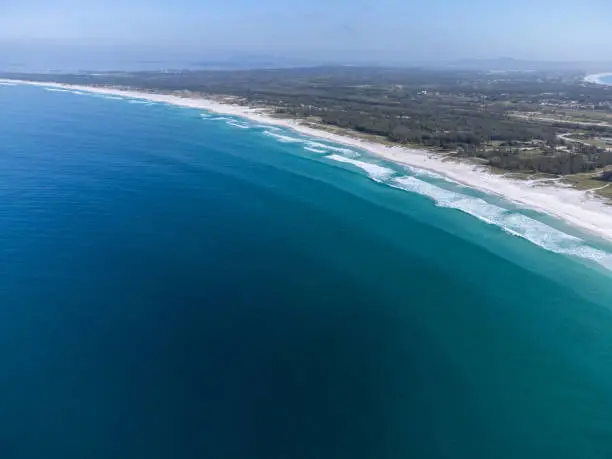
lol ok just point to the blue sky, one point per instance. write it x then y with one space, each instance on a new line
393 30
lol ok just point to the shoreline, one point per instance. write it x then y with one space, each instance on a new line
578 208
597 78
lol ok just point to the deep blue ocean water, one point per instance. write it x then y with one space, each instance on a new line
176 284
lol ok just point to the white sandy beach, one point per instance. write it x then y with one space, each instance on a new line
581 209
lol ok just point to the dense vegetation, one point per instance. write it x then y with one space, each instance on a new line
468 112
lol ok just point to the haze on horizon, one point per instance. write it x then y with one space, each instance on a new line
99 32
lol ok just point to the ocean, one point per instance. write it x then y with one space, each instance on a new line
179 284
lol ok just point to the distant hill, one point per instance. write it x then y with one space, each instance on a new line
247 61
511 64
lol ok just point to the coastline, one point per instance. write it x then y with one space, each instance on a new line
597 78
579 208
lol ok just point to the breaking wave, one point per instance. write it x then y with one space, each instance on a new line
283 138
315 150
376 172
511 222
346 151
237 124
311 145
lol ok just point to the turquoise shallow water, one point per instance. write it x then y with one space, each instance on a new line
179 284
607 79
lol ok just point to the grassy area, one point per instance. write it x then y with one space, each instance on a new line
596 143
590 182
531 152
594 115
585 138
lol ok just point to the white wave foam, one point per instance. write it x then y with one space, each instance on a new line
204 115
220 118
315 150
140 102
346 151
318 145
376 172
104 96
513 223
283 138
4 83
430 174
56 90
312 145
78 93
237 124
